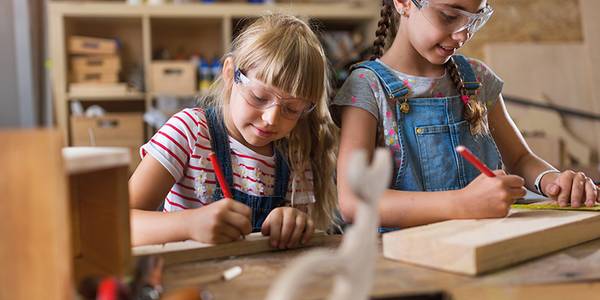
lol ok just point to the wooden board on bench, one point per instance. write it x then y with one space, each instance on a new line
478 246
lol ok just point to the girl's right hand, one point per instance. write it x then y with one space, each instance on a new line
490 197
222 221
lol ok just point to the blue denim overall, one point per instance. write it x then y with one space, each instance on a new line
429 133
261 205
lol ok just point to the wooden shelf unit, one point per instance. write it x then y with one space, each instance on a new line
141 28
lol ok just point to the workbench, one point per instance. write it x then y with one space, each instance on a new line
573 273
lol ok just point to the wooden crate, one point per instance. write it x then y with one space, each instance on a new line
98 76
99 203
114 129
173 77
91 45
96 63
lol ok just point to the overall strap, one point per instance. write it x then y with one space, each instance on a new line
219 140
394 88
282 175
466 74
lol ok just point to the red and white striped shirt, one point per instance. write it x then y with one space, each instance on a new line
182 146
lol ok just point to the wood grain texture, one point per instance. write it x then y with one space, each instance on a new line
477 246
35 251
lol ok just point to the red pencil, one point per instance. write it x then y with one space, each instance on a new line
469 156
222 182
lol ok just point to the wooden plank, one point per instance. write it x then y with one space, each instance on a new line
35 251
478 246
187 251
555 73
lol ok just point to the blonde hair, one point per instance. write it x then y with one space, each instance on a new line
474 112
286 53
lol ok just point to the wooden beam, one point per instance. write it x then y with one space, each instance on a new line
477 246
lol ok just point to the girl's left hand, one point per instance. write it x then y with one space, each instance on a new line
572 188
287 227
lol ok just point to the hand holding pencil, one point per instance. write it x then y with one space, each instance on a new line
491 194
222 221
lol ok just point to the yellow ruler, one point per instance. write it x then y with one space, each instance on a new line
555 207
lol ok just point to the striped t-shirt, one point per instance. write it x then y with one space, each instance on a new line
182 146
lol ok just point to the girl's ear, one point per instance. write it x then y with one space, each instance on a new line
227 71
402 6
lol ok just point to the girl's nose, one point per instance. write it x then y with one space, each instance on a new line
271 115
461 36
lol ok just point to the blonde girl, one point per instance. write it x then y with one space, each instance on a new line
266 118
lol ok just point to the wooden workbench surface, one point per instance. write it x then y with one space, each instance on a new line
573 273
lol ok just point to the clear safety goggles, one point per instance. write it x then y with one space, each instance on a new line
257 95
451 19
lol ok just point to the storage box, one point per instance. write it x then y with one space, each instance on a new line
91 45
173 77
114 129
95 63
95 76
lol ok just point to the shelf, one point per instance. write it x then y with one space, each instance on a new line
318 10
170 30
182 95
108 97
187 36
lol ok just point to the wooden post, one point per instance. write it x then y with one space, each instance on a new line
35 250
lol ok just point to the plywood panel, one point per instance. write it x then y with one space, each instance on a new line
553 73
591 40
531 21
478 246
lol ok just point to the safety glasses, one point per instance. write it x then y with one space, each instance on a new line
452 20
257 95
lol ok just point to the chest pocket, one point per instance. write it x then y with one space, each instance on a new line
441 167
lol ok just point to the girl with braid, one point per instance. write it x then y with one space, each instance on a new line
421 100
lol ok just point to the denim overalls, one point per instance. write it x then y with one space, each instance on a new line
261 205
429 132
